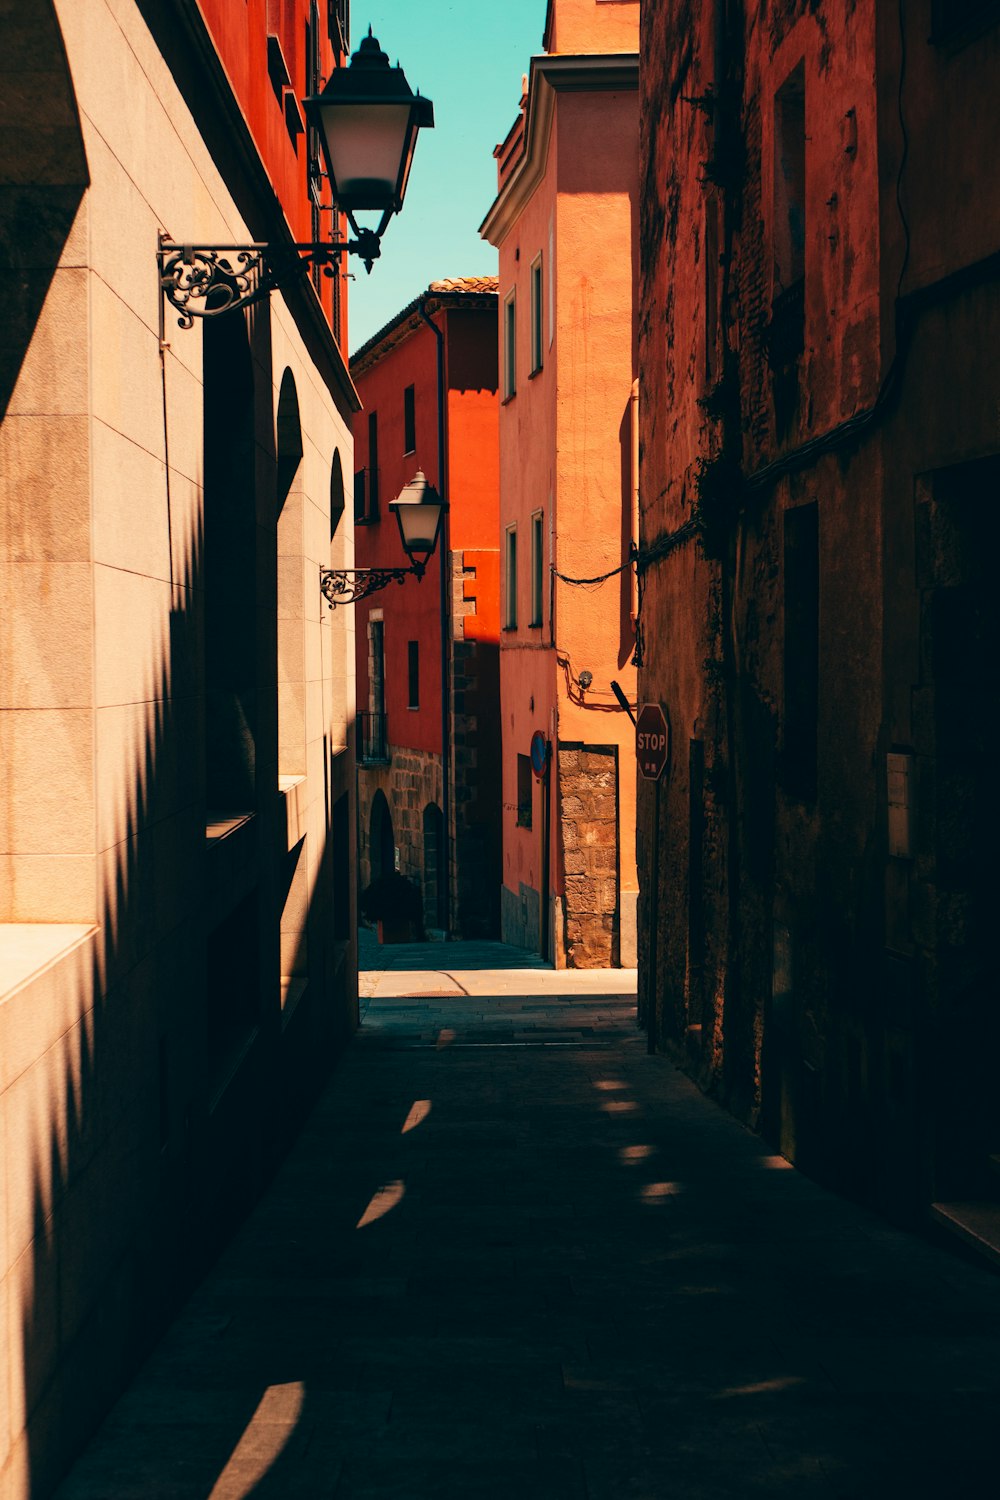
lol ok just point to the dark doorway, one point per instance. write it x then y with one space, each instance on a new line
958 528
381 840
434 885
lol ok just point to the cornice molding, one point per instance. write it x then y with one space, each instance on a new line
582 73
408 321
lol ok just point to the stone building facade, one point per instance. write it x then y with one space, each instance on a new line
819 369
177 919
565 223
437 827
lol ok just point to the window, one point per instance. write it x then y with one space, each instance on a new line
524 787
961 18
790 182
338 24
336 493
360 494
510 580
537 568
801 651
536 315
372 511
786 336
313 84
409 421
413 673
509 347
376 664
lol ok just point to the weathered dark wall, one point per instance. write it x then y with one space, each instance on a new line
817 344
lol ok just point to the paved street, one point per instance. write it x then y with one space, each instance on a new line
513 1256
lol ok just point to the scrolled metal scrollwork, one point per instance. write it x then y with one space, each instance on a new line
348 585
201 282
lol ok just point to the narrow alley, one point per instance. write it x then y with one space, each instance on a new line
513 1255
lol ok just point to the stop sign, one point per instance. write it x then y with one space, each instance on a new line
652 741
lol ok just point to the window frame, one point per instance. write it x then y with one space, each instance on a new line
525 781
537 569
510 345
510 577
409 420
413 674
372 506
537 314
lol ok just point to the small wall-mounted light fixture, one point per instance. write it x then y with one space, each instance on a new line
418 509
585 679
366 119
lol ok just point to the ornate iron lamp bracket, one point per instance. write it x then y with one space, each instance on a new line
203 281
348 585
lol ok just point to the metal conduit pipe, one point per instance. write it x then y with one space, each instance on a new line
444 559
634 412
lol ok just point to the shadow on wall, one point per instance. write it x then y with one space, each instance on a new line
174 1099
43 175
163 1112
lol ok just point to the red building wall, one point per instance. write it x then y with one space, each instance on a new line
411 779
241 32
412 611
813 477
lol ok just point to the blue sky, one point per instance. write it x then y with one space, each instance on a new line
469 61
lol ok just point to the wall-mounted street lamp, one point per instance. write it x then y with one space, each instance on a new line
418 509
366 119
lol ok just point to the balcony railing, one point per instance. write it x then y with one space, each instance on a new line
373 740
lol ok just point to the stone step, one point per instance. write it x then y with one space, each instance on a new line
977 1223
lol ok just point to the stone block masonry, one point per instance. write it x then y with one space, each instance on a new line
411 782
588 816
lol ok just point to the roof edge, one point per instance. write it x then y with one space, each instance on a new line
572 72
408 320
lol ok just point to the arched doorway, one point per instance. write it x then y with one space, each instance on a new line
336 492
288 445
434 892
381 840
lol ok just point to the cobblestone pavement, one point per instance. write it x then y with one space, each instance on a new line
513 1256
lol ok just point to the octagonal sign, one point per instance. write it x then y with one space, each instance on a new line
652 741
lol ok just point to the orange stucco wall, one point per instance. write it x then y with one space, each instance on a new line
565 450
586 26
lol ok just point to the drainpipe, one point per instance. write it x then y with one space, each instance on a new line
445 575
634 412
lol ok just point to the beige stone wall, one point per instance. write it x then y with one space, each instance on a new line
128 1117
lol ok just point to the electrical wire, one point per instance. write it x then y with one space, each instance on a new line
640 557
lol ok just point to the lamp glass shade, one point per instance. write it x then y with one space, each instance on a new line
367 119
368 149
418 510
